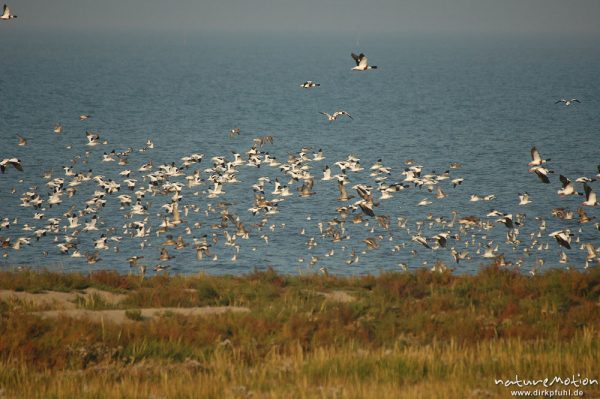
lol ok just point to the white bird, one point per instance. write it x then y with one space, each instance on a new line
101 242
362 63
567 102
424 202
335 115
6 14
563 258
524 198
421 240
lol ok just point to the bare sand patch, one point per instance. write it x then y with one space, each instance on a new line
60 300
118 315
338 296
64 304
334 296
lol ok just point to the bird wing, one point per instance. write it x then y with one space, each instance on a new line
5 12
342 188
17 165
363 61
561 101
535 154
326 114
339 113
542 175
357 58
576 100
309 183
364 193
588 191
366 209
564 181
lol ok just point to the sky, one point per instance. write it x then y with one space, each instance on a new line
520 17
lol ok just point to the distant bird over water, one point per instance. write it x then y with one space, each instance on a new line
16 163
335 115
362 63
22 140
6 14
567 102
309 84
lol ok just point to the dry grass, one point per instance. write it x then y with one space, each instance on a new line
410 335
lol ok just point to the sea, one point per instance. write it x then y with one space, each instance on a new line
480 101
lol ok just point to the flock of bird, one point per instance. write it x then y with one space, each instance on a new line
158 211
180 206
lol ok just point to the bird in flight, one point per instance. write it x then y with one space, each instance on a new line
309 84
16 163
567 102
362 63
590 196
335 115
536 158
6 14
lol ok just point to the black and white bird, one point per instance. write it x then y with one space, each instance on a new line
335 115
536 158
362 63
542 173
563 238
567 187
567 102
16 163
590 196
6 14
309 84
93 139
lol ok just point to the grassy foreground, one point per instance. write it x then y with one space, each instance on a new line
408 335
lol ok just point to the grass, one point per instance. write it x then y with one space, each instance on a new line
134 314
409 335
92 302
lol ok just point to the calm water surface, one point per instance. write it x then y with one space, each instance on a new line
482 103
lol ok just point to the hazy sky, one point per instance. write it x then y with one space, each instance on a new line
354 16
